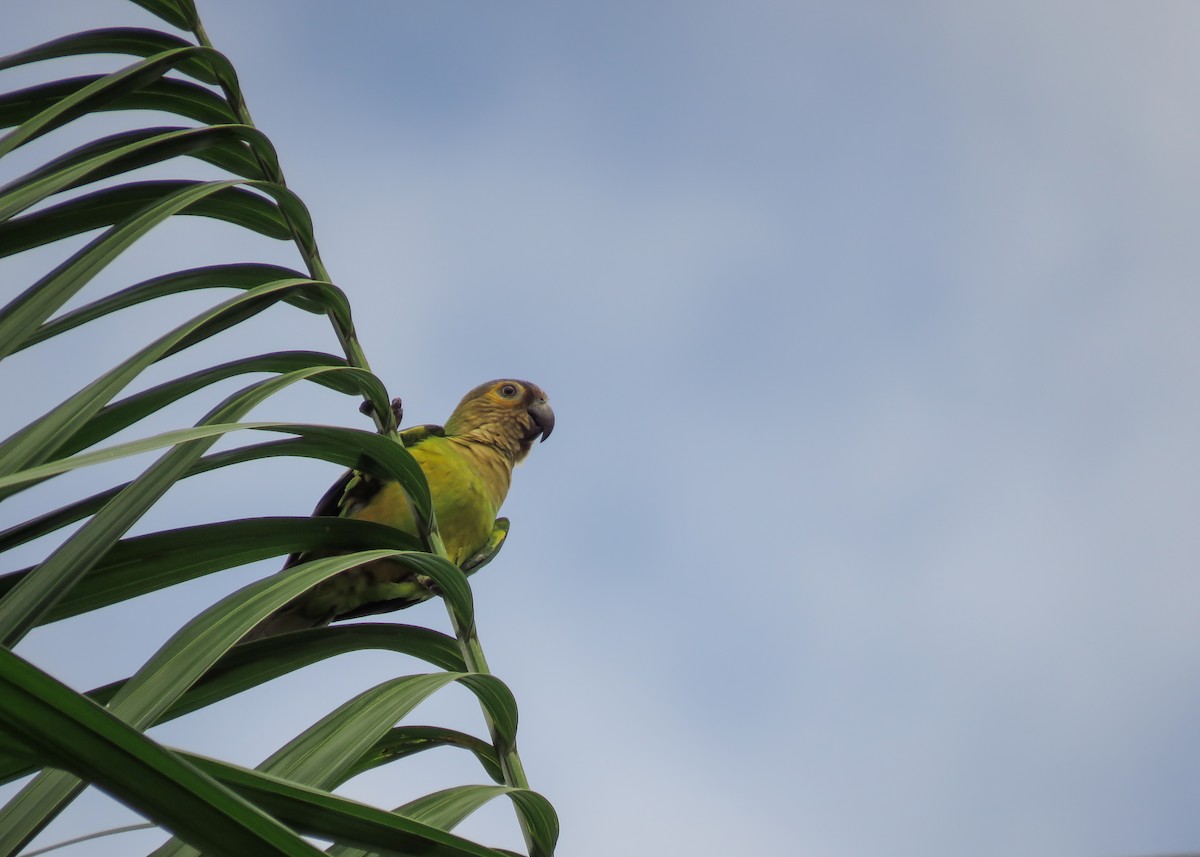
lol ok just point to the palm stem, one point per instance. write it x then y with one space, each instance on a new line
308 249
473 657
510 760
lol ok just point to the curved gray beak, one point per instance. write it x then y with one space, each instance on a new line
543 416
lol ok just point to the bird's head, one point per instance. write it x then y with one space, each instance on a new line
509 413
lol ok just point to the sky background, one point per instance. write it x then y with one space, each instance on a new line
869 522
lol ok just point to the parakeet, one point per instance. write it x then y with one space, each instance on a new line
468 464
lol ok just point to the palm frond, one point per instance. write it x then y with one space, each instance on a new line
93 197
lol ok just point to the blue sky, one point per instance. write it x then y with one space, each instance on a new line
868 523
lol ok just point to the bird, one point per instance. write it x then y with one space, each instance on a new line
468 464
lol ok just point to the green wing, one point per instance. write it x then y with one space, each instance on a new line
355 488
415 434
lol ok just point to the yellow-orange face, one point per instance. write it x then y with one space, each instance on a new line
507 411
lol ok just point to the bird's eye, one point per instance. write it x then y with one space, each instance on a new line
508 391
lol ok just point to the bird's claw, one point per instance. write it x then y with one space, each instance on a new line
367 408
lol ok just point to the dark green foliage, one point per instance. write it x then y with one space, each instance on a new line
97 738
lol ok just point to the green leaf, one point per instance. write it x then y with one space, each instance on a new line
248 665
202 642
323 753
238 148
39 591
251 664
33 306
136 41
113 418
501 706
148 563
381 456
449 581
243 276
72 512
406 740
179 97
540 820
337 747
168 674
113 205
447 809
81 737
49 112
71 420
178 13
321 814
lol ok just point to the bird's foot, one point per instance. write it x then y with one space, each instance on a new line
368 409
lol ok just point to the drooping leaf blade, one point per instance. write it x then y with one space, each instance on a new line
177 97
323 753
77 735
71 420
322 814
22 315
147 563
39 591
237 148
134 41
95 94
177 13
167 675
406 740
112 205
377 454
